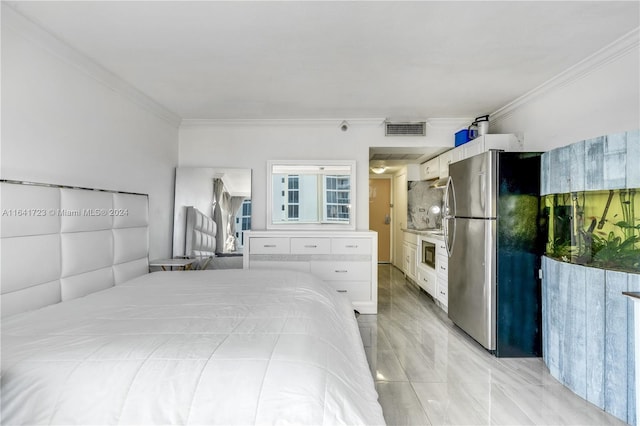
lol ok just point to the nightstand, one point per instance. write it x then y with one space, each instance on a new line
180 264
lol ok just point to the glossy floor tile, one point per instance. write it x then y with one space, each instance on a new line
428 371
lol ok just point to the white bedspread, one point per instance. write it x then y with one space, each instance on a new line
195 347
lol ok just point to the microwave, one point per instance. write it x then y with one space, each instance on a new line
428 254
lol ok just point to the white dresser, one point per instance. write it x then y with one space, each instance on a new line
347 261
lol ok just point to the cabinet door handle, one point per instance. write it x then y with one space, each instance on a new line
341 271
443 268
443 293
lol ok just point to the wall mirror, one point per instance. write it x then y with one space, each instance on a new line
222 194
311 195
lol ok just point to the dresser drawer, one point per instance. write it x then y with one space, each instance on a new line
342 271
310 245
357 291
269 245
269 264
350 246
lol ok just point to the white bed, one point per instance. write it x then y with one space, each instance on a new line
192 347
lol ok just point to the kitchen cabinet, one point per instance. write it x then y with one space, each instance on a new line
410 256
345 261
428 281
505 142
435 280
413 172
447 158
438 167
473 147
430 169
442 268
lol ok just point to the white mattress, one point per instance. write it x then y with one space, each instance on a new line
194 347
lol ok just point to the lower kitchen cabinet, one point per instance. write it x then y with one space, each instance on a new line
442 268
410 253
428 281
433 280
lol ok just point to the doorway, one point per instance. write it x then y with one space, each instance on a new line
380 215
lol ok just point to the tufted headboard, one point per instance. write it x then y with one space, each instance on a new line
60 243
200 241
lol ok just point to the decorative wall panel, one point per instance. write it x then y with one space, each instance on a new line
592 256
589 339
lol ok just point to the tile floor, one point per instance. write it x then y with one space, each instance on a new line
427 371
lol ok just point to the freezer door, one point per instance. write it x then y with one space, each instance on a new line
474 181
472 283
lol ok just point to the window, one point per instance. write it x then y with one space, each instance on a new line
293 197
310 195
243 221
337 202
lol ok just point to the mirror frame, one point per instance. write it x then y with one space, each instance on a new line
351 225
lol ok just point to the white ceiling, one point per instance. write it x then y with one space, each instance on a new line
333 59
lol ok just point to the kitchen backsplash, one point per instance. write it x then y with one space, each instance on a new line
421 199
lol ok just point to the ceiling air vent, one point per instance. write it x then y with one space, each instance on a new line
415 128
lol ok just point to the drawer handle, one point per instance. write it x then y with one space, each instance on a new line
341 291
341 271
310 246
351 246
425 280
269 246
443 268
443 293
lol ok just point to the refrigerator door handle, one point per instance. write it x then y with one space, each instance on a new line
449 234
450 190
482 176
449 199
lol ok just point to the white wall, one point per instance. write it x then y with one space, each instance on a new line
62 125
250 143
602 98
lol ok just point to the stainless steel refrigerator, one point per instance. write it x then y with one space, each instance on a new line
492 228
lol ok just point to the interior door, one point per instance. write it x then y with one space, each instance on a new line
380 216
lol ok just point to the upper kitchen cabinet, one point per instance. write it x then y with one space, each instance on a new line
447 158
413 172
506 142
430 169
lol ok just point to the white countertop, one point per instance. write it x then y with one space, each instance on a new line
435 233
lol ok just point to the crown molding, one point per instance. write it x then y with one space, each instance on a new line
435 123
625 45
257 122
449 123
33 32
